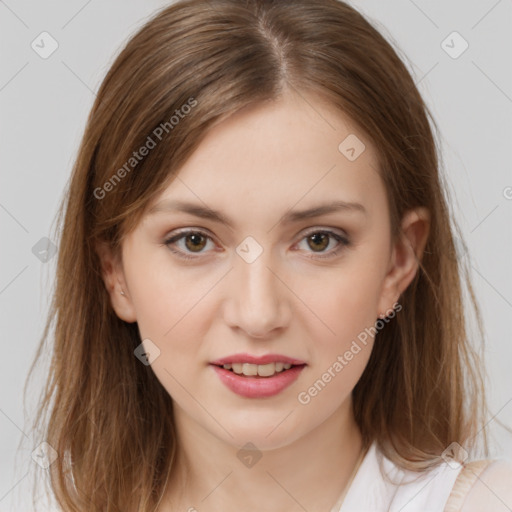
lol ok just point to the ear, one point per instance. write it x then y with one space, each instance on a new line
115 282
406 254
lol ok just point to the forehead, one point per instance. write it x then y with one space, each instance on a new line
296 150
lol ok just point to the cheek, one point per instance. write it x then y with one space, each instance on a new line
342 304
342 330
171 312
164 297
156 300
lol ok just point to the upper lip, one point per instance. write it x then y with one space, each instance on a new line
248 358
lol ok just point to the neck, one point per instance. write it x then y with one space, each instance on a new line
309 473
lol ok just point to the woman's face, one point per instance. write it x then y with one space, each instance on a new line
274 277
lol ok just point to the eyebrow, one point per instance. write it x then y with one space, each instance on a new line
169 206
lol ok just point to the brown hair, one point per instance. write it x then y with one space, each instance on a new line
422 387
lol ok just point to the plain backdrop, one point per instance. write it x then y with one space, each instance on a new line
45 101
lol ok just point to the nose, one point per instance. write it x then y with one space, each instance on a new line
258 300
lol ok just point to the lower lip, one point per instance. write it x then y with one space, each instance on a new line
258 387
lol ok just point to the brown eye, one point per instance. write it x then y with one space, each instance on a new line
318 241
195 242
323 244
188 242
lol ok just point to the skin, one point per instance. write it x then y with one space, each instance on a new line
254 167
491 490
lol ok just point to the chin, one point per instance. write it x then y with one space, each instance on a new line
263 434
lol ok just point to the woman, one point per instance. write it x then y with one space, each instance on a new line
258 305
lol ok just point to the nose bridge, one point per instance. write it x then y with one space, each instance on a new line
259 300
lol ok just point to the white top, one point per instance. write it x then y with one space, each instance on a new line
422 492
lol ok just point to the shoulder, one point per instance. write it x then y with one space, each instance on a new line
492 489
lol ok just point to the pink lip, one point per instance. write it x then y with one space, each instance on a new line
247 358
255 386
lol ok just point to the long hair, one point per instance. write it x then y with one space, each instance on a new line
189 67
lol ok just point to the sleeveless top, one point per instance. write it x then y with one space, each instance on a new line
430 491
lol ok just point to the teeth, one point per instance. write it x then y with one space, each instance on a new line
263 370
250 369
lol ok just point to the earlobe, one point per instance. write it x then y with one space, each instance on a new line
406 255
115 283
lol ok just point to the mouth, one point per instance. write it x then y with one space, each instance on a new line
258 370
250 380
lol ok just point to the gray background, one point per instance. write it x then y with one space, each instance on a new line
44 104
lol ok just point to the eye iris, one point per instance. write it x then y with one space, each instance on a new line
195 238
318 238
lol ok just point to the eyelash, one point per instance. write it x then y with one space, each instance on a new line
343 241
